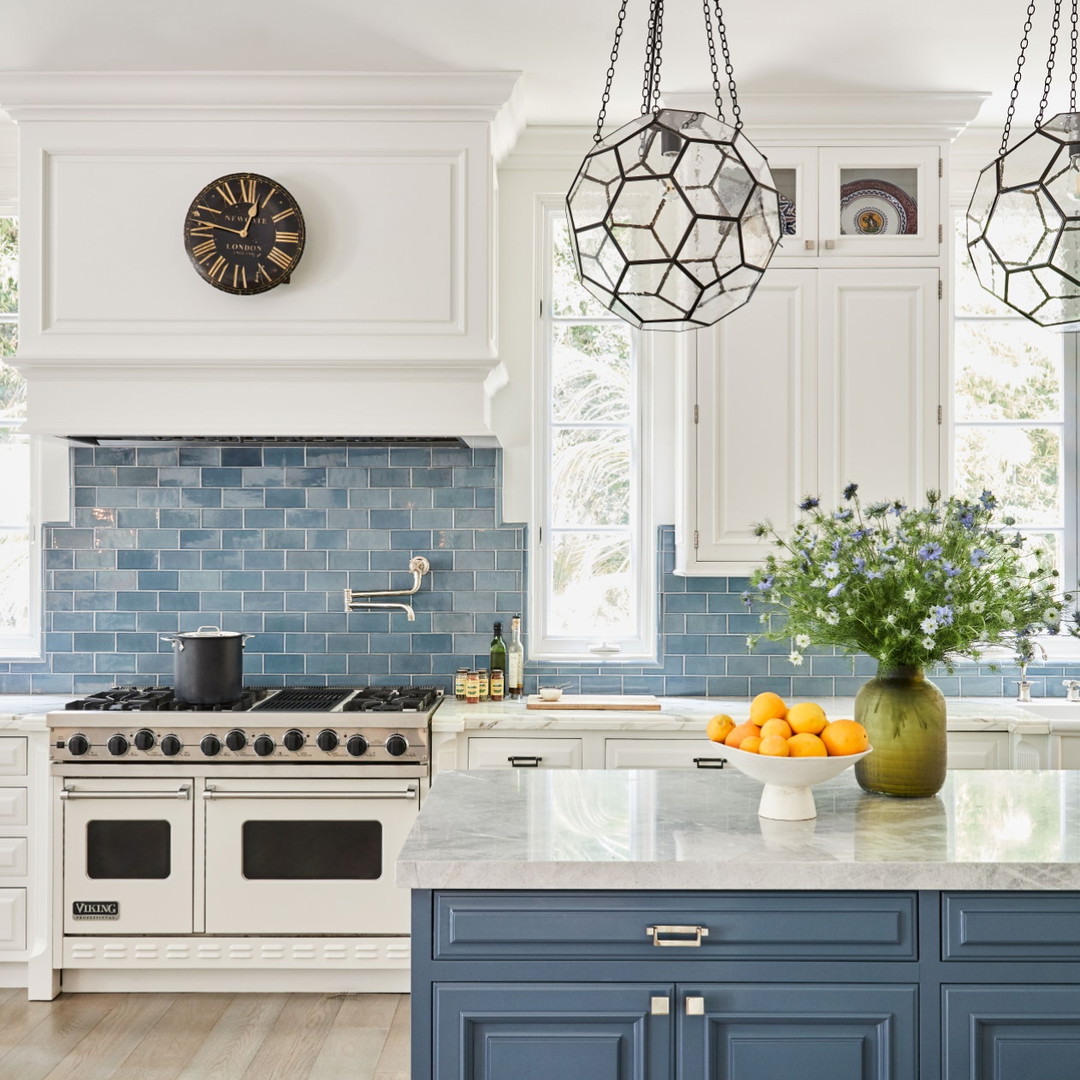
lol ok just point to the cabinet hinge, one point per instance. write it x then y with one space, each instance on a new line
940 414
696 538
941 234
940 168
940 289
697 413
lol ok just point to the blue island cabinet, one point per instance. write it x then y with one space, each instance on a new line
868 985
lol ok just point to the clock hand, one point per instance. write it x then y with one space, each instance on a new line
253 209
224 228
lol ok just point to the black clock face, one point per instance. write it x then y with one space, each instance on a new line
244 233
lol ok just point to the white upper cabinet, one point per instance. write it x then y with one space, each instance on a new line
857 201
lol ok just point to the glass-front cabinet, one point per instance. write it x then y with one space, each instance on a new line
860 201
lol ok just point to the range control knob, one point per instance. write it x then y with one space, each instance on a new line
327 740
264 746
210 745
357 745
144 739
396 745
78 745
236 740
294 739
118 745
171 745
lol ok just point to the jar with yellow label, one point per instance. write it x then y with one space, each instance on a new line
496 685
484 684
472 687
460 676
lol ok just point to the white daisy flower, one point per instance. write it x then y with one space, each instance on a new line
795 658
802 640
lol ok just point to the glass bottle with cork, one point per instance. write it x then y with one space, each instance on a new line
497 665
515 660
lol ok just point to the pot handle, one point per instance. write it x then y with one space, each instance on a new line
215 629
174 641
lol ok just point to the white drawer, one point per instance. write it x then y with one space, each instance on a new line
494 753
13 856
12 806
662 754
12 919
13 756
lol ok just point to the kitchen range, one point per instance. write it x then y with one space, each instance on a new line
261 833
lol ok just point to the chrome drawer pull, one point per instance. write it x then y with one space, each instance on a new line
710 762
212 793
181 793
524 761
677 935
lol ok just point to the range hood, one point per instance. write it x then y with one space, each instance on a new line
386 330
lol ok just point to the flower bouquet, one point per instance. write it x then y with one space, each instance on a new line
909 587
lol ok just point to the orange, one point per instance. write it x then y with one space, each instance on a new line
776 727
806 745
767 706
774 746
751 744
806 716
739 732
843 737
719 727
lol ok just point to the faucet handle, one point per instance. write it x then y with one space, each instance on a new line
1072 687
1023 690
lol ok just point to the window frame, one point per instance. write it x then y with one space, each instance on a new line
642 646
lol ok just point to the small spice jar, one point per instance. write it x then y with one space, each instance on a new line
485 689
460 676
496 684
472 687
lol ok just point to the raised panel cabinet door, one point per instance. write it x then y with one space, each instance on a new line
579 1031
811 1031
1011 1032
492 752
13 756
978 750
753 452
879 368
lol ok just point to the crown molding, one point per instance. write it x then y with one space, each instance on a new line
262 95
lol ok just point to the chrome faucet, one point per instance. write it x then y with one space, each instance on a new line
1072 689
1023 687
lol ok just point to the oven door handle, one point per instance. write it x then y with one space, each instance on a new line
213 793
180 793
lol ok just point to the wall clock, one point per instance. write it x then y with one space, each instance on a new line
244 233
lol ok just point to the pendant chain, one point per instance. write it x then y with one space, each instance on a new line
736 112
650 90
610 73
1014 93
712 61
1050 63
1072 60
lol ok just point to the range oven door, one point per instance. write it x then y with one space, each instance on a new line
127 860
307 856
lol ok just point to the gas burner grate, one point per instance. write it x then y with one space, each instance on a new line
304 698
393 699
160 699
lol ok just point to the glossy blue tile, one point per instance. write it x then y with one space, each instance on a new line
180 519
200 455
285 538
180 560
283 455
241 455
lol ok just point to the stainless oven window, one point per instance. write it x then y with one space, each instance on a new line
128 849
312 850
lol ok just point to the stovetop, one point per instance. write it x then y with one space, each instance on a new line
266 699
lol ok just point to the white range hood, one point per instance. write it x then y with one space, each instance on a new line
387 328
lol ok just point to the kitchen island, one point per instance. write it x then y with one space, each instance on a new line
601 924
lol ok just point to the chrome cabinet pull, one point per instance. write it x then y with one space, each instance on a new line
659 1006
180 793
695 1006
710 762
212 793
677 935
524 761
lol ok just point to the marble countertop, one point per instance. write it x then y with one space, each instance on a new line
26 712
676 829
690 714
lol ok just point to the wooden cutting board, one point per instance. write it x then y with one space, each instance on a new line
639 702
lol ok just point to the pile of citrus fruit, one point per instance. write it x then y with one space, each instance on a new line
778 730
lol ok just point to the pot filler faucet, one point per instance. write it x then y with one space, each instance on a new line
360 600
1023 687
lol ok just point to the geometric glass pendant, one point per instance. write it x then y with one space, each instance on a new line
673 219
1023 225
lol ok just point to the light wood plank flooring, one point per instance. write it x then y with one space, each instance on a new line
204 1037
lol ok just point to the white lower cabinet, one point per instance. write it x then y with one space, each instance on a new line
12 919
978 750
662 754
495 752
828 376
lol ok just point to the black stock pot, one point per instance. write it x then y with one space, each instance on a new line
208 665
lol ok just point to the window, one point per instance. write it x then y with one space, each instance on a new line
1013 426
18 563
593 575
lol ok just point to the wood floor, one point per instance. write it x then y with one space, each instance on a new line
204 1037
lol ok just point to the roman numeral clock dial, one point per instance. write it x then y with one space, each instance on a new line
244 233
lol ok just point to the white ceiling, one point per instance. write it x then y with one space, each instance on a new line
561 46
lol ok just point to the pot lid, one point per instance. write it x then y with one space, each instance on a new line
208 632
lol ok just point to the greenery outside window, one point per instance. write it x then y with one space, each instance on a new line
592 560
1015 417
19 594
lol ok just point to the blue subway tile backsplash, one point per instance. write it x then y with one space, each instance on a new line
264 539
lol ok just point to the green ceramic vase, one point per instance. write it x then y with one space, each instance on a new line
904 715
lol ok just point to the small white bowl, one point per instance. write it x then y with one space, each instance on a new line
550 693
787 795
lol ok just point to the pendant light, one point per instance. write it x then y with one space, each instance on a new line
1023 223
674 216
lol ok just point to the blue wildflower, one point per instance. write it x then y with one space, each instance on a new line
860 534
897 508
987 499
837 544
765 584
842 515
860 565
930 552
943 615
950 570
967 518
978 557
849 491
837 589
830 569
872 575
809 503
